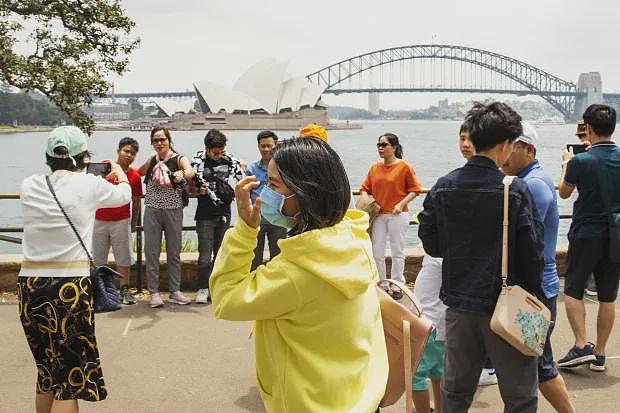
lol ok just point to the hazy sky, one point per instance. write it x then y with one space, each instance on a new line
190 40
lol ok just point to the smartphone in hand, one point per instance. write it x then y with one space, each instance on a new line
99 168
577 147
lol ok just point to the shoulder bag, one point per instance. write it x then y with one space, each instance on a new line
612 217
519 317
106 297
406 334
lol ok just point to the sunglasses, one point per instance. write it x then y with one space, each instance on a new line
382 144
157 140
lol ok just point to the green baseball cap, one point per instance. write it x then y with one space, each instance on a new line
69 137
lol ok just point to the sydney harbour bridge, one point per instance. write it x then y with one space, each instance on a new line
449 69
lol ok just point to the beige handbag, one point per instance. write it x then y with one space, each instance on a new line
406 333
369 205
519 317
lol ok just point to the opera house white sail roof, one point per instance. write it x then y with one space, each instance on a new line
263 87
171 106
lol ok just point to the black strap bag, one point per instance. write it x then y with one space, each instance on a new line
106 297
613 217
223 190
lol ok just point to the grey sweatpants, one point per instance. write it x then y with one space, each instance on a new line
170 222
469 340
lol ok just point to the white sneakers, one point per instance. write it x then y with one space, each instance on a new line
202 296
487 377
176 297
156 301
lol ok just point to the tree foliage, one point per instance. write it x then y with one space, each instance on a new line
65 49
21 108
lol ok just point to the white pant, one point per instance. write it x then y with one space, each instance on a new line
394 226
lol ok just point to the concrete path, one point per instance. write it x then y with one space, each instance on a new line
180 359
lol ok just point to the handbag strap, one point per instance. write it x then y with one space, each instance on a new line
49 185
506 181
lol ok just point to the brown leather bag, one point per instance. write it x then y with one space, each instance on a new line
369 205
406 333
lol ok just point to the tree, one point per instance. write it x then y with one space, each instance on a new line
65 49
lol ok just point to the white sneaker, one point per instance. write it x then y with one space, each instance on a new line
487 377
202 296
177 297
156 301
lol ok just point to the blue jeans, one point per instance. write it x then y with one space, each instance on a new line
210 235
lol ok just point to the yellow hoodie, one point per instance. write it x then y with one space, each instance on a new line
318 331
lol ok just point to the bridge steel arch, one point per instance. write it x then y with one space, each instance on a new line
558 92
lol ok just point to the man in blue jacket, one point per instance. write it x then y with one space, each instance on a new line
461 222
523 164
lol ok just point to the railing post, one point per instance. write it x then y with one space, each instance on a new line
139 259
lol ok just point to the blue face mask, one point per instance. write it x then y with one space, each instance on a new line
271 208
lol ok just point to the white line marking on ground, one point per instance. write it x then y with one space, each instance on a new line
596 302
127 327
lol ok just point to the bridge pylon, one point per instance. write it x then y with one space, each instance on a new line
589 91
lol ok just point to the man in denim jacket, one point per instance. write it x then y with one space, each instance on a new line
462 223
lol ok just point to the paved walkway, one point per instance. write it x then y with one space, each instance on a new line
180 359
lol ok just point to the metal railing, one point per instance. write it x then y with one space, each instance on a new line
139 231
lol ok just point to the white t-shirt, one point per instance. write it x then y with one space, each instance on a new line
50 247
426 291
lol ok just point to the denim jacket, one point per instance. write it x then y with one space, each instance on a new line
462 223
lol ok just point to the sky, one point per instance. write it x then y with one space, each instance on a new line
192 40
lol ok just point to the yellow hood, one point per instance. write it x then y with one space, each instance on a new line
333 254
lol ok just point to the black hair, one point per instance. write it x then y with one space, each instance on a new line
57 164
266 134
129 141
315 173
601 118
492 124
166 132
215 139
393 140
464 127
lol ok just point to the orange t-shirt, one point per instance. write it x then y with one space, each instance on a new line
390 184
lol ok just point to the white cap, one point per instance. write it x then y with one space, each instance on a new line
529 135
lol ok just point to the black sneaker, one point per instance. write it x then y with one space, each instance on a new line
577 356
598 364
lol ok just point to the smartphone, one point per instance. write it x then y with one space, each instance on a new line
577 147
99 168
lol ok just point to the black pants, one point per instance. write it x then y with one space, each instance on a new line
469 340
273 234
210 235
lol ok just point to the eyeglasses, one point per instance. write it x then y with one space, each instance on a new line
382 144
158 140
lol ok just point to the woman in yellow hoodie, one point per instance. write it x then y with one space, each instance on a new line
318 331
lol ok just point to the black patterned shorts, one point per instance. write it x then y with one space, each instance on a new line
58 319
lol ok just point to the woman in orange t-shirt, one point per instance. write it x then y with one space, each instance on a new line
393 184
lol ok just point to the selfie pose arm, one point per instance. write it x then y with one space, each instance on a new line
238 293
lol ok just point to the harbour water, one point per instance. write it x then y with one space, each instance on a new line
429 146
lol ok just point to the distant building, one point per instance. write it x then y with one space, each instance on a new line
263 89
373 104
108 112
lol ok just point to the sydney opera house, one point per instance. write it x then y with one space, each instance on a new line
264 97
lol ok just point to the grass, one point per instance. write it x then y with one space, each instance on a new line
187 245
